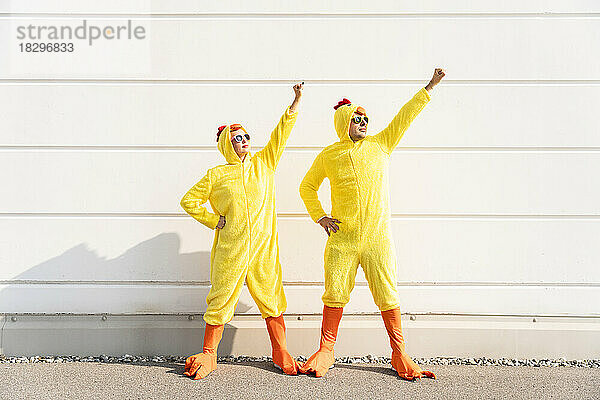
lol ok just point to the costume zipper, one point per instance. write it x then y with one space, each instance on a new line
247 210
360 223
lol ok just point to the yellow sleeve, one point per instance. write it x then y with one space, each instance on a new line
274 148
192 203
309 187
389 137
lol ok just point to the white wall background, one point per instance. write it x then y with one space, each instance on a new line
495 195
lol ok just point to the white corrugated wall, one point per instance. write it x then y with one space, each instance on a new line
495 194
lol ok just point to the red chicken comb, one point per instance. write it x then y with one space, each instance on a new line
220 129
342 102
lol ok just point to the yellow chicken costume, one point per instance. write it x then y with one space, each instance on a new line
246 248
358 174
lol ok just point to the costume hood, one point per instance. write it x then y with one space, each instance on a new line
342 117
226 147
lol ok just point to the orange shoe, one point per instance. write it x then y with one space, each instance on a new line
323 359
204 363
401 362
281 357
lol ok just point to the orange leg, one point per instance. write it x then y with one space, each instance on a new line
320 362
281 356
204 363
401 362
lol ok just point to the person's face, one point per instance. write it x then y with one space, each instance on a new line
358 130
241 147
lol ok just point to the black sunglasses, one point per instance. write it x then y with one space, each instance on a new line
238 138
357 119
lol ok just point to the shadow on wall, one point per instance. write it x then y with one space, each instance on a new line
155 259
142 280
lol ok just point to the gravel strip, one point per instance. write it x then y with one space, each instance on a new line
369 359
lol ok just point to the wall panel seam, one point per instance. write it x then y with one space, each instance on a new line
355 314
300 215
206 284
320 82
300 148
303 15
4 318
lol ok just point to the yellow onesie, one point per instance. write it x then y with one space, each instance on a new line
246 248
359 178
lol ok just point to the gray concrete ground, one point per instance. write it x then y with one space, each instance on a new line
260 380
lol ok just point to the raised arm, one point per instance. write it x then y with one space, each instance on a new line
309 187
272 152
391 135
192 203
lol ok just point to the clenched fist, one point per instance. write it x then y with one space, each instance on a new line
438 74
297 96
298 89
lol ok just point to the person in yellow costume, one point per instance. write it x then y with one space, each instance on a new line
359 227
242 196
